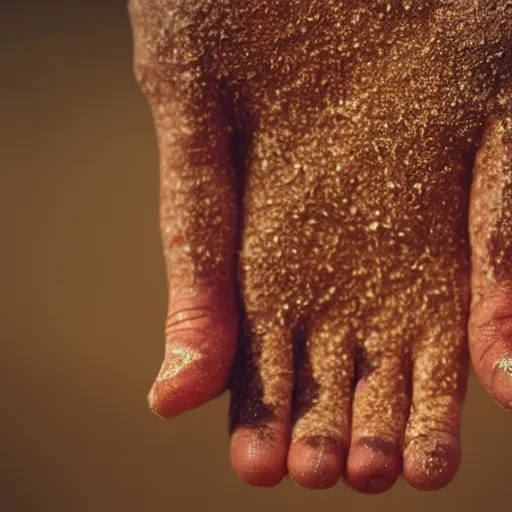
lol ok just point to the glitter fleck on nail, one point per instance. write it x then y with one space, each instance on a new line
180 358
504 365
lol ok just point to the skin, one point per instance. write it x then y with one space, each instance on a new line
336 214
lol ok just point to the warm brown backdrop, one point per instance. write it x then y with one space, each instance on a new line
83 297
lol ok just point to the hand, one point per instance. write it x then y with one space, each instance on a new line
336 186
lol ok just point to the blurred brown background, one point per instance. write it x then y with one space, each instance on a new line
83 301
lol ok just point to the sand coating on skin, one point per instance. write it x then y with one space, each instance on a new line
350 131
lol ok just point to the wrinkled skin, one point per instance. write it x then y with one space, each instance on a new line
336 214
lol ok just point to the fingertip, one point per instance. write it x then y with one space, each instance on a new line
373 466
316 462
174 394
431 461
258 455
490 341
152 402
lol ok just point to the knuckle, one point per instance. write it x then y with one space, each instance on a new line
197 320
490 325
495 329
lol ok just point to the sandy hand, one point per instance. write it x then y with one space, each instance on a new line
346 171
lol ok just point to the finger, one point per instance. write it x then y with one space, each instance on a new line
490 325
380 410
321 432
432 450
197 215
261 402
